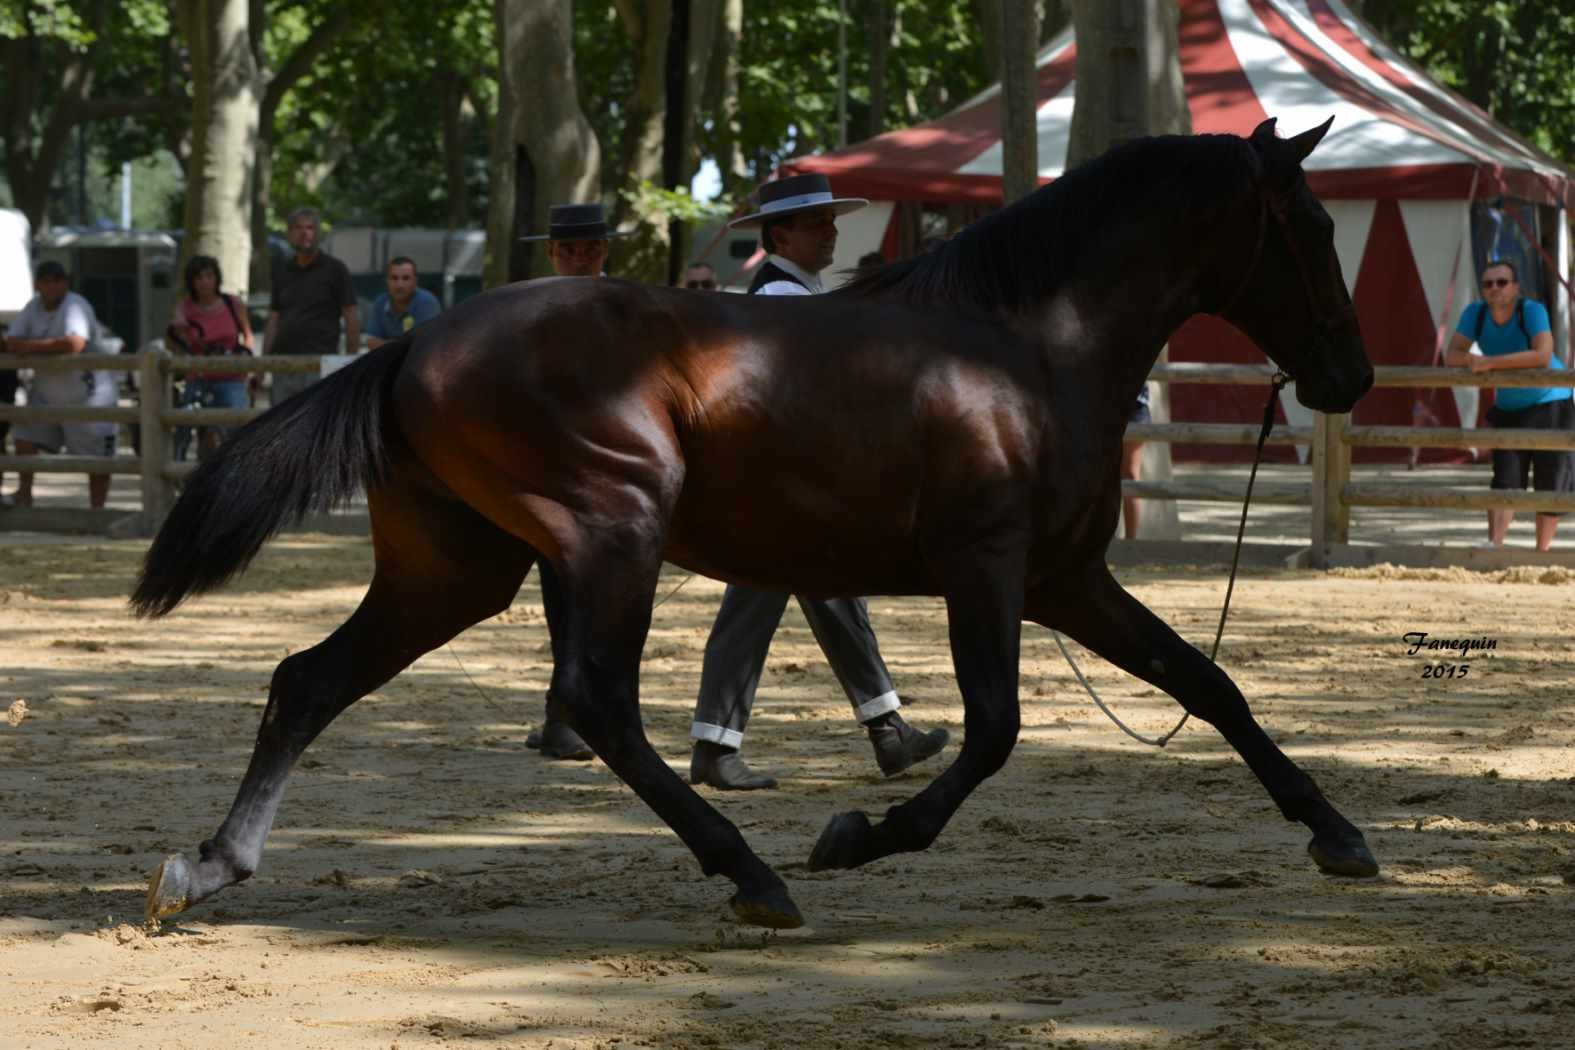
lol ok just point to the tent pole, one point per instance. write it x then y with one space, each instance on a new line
1561 255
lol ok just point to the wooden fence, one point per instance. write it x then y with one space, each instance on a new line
156 416
1329 494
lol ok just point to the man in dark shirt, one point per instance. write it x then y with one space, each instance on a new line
311 293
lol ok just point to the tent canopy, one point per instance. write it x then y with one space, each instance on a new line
1397 172
1397 134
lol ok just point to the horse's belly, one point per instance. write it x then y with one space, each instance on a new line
775 545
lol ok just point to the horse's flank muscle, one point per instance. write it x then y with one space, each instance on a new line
869 420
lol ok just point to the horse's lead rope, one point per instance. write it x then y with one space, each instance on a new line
1276 385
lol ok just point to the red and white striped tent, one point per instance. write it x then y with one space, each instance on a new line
1397 172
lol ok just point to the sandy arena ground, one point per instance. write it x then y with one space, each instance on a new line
430 881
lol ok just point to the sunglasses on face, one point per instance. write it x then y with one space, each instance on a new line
704 286
1496 282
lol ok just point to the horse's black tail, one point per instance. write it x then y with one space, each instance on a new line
310 453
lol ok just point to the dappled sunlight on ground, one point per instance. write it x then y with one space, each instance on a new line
431 880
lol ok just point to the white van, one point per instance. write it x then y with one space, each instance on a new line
16 265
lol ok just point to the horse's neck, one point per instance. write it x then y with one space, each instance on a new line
1112 322
1108 337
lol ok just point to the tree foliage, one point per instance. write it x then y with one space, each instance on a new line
387 118
1514 58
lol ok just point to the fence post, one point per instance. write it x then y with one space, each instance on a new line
158 493
1331 518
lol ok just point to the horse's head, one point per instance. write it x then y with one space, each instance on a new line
1291 299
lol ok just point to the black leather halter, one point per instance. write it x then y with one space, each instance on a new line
1276 205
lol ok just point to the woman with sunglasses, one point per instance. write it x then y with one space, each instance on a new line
1513 332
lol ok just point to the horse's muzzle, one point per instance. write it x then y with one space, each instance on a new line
1335 392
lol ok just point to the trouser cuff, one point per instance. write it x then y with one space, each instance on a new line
717 735
883 704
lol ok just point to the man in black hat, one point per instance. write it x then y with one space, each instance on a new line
577 239
797 218
577 243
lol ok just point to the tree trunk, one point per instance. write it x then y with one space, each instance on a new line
274 86
722 94
1129 84
452 88
1128 75
564 157
990 14
1019 101
500 167
879 28
225 104
648 24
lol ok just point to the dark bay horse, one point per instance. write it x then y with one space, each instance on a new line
947 426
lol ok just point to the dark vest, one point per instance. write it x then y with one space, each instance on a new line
772 272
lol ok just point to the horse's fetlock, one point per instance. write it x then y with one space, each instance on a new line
239 868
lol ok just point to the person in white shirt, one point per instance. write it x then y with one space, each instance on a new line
59 321
798 230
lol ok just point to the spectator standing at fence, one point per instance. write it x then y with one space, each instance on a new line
212 323
1513 332
405 304
59 321
312 293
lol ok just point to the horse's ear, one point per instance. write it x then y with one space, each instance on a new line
1263 131
1302 145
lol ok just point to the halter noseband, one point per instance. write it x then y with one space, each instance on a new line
1271 204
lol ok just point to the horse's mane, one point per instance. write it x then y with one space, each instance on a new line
1008 260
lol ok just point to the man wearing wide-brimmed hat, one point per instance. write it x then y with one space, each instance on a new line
797 218
577 237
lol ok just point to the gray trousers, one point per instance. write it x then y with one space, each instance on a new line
735 654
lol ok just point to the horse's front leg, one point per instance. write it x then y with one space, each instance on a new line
600 612
1093 608
983 584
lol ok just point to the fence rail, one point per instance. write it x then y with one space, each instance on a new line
1329 494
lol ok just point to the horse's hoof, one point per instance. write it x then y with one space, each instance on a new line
1343 855
843 844
773 909
169 890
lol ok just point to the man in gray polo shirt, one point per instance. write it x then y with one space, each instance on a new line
311 294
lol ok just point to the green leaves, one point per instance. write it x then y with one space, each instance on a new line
1514 58
54 20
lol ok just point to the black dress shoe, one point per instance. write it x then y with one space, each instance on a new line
556 740
899 745
723 767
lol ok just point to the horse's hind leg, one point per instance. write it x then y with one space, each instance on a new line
1098 612
440 568
600 613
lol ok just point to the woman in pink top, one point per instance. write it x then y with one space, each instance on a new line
210 322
